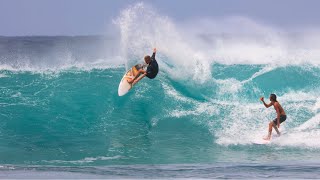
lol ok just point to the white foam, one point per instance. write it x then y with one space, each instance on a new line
200 42
171 92
85 160
198 108
83 66
316 107
229 86
3 75
312 123
243 125
248 122
264 70
302 139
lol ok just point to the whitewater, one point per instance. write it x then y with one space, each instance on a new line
60 114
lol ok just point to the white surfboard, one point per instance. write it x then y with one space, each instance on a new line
261 141
124 86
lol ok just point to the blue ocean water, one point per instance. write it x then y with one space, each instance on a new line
60 115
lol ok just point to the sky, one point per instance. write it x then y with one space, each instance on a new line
91 17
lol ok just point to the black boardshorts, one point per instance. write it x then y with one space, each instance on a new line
282 119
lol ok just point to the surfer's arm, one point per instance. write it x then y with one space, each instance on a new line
141 71
139 78
153 57
278 115
265 104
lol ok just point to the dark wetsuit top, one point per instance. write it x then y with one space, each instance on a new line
152 69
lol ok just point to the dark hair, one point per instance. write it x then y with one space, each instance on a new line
273 97
147 59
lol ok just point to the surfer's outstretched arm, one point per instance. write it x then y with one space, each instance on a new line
265 104
153 57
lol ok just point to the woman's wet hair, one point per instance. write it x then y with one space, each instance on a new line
147 59
273 97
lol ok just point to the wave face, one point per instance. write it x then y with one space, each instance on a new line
59 102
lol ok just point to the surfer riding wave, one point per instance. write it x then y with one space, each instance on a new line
152 69
281 115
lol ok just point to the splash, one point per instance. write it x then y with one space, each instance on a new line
188 49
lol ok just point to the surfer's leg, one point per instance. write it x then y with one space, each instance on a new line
269 131
276 128
275 123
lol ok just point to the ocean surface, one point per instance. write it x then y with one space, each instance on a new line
61 116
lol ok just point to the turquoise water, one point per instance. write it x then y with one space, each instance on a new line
75 118
60 115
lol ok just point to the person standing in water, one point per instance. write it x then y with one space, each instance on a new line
152 69
281 115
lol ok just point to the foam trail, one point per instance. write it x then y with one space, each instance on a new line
312 123
232 85
316 107
309 139
259 73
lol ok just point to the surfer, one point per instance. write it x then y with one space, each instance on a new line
281 115
152 69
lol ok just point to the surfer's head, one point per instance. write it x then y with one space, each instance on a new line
147 59
273 97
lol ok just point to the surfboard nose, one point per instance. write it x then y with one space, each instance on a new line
124 87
